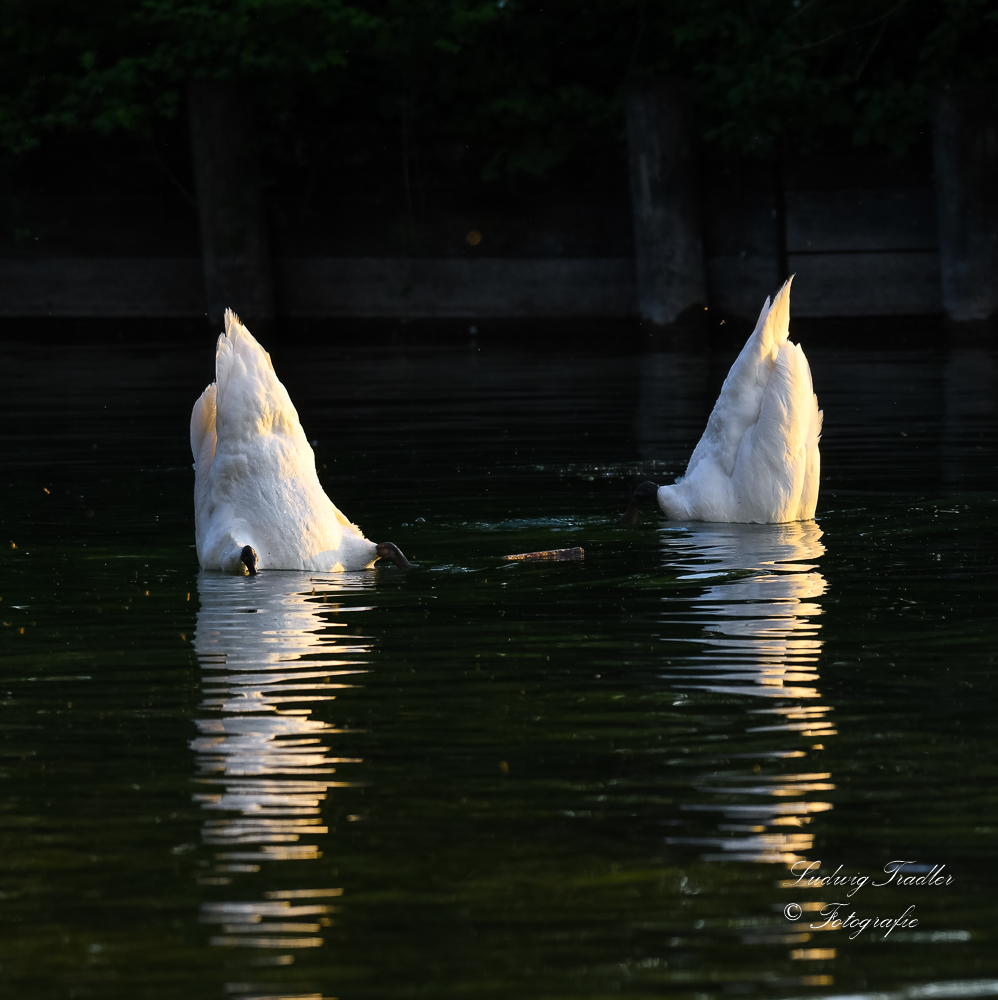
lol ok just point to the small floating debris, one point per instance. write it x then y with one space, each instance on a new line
555 555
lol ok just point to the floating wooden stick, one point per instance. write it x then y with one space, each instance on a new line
558 555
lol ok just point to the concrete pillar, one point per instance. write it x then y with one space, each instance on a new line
668 240
234 241
965 147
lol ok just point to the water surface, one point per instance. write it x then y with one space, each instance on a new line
487 779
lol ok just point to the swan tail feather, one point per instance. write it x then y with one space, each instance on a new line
740 401
776 323
251 398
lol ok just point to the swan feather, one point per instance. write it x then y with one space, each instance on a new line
758 459
255 481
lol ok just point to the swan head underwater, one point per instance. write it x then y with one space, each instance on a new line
258 503
758 459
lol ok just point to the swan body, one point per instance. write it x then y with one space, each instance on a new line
255 483
758 459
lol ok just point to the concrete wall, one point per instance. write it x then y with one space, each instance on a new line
857 251
102 286
863 252
389 287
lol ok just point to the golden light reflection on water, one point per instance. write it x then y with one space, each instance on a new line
759 639
271 647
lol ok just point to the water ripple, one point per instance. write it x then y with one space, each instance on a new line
270 647
757 639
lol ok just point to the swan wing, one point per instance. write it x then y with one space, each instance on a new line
809 493
203 424
738 406
778 461
203 441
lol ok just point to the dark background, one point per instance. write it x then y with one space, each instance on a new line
355 139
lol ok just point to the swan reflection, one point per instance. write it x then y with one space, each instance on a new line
271 647
759 639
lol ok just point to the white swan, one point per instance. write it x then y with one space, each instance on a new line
257 499
758 460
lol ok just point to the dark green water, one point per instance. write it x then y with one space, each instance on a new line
479 779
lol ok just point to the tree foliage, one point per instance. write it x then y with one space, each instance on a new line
533 82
